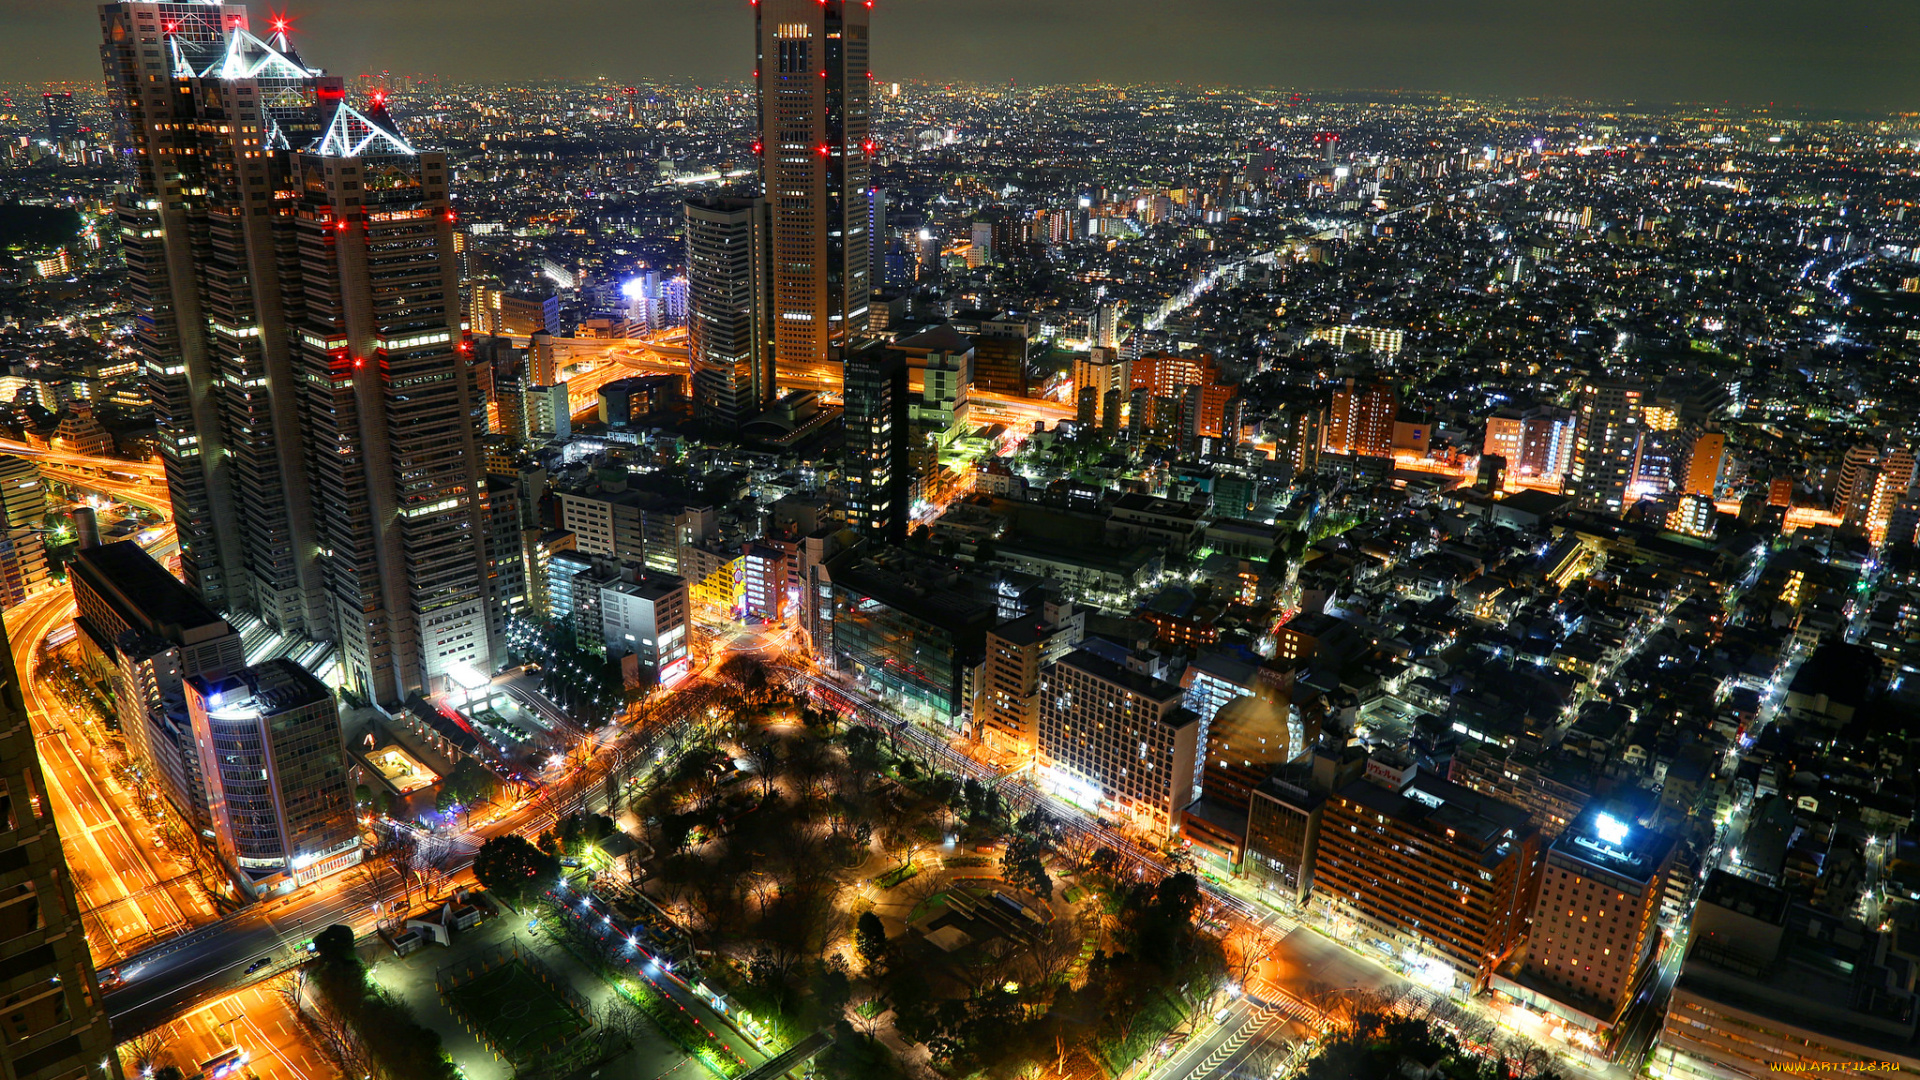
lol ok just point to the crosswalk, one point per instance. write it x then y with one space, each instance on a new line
1240 1037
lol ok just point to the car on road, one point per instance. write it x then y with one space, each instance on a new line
258 964
111 979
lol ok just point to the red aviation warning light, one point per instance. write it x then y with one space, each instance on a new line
823 149
759 147
869 146
378 97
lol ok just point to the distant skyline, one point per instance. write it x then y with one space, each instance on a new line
1840 54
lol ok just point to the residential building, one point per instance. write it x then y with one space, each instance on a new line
1610 422
1360 422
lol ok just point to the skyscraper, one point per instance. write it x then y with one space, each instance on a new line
63 122
208 235
291 265
875 396
56 1026
814 90
727 341
393 410
1606 445
276 775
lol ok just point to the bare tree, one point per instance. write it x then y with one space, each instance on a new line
145 1053
330 1030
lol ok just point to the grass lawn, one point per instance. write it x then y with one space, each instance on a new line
516 1012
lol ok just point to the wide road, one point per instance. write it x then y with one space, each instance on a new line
1241 1038
131 891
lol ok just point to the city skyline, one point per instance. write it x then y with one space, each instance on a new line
1651 53
847 578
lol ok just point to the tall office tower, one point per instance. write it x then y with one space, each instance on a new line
1361 420
23 513
276 772
62 119
291 260
874 395
213 274
56 1027
816 154
1606 445
1703 464
876 239
1596 923
391 411
727 342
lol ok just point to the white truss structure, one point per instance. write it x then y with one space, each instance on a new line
247 57
351 134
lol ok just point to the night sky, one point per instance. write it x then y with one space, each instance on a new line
1835 54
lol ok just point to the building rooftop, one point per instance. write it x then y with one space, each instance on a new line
138 586
1429 799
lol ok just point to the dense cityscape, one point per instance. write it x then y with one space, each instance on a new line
828 576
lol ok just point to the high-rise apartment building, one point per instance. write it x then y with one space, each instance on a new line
1194 384
1435 872
727 341
875 401
1360 421
276 773
291 266
1606 445
1101 383
1546 443
1006 706
56 1027
1504 430
1596 923
816 153
1298 435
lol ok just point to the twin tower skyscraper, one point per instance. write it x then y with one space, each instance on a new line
296 298
778 284
292 271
